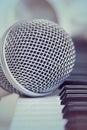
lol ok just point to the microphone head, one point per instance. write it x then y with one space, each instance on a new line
36 57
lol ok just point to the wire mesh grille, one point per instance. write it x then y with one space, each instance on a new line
4 83
39 54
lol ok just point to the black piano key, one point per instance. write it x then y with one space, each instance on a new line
76 79
75 111
73 89
76 124
76 108
66 99
73 93
75 114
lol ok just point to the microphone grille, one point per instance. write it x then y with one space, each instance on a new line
39 55
4 83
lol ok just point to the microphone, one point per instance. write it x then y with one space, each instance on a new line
36 57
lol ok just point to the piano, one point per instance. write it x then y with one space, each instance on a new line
65 109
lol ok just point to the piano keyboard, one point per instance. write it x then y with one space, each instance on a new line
73 93
38 114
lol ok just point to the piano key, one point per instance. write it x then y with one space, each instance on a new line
76 80
7 108
38 113
75 114
73 98
73 91
75 124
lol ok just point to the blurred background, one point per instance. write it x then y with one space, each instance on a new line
70 14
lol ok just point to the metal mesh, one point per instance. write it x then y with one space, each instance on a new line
4 83
39 55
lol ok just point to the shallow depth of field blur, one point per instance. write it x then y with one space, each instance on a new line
70 14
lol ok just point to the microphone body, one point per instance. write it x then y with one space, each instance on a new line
36 57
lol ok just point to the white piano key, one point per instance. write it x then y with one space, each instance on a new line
7 108
38 114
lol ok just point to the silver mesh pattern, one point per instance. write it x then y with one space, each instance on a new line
39 55
4 83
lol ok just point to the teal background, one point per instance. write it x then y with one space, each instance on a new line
72 14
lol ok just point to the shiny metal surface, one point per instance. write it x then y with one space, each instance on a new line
36 57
